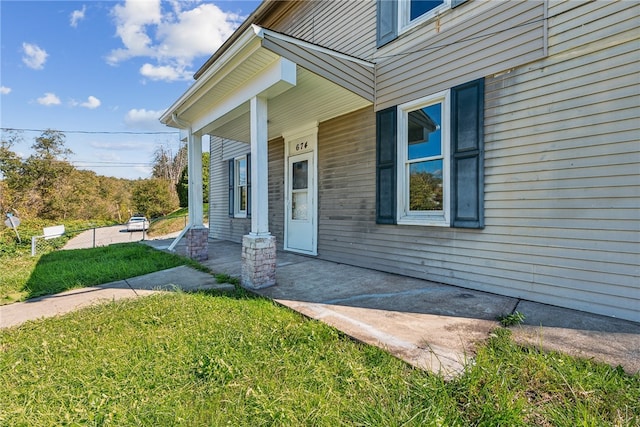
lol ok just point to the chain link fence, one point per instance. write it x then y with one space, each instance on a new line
56 238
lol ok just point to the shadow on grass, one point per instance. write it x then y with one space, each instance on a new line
128 269
65 270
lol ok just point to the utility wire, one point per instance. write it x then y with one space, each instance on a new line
93 132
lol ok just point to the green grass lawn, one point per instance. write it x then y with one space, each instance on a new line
23 276
208 360
59 271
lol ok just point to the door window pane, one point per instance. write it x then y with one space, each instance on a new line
299 205
300 175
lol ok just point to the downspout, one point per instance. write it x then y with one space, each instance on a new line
183 125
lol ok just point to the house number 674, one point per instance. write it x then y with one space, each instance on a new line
301 145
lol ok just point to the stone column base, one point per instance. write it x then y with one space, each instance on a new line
198 243
258 261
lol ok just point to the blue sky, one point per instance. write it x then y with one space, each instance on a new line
105 67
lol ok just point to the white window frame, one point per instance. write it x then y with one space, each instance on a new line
404 215
237 194
404 14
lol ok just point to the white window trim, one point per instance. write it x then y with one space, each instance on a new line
237 213
437 218
404 13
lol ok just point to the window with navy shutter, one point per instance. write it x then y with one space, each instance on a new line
395 16
232 200
387 21
249 185
467 155
240 187
430 160
386 166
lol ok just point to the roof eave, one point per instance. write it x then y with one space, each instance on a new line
263 9
241 41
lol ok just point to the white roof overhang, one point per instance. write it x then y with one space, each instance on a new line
302 82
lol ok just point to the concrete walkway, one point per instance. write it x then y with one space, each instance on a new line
430 325
183 277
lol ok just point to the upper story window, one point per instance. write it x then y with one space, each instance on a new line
396 16
412 11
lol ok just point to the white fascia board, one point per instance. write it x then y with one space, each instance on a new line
262 32
274 79
247 37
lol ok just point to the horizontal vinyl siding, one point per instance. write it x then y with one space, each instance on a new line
562 180
469 42
276 190
221 226
563 161
344 26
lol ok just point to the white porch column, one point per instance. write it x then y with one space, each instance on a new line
194 159
259 246
259 168
197 233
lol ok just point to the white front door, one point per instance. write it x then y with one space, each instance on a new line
300 206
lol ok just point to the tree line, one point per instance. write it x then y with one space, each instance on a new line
46 185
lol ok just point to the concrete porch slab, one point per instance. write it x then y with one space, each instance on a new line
430 325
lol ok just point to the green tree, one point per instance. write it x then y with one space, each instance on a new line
46 185
48 170
11 171
154 197
425 192
182 187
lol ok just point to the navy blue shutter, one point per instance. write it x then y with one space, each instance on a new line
467 155
456 3
249 185
386 151
387 21
232 205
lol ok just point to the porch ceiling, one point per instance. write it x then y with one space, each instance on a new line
298 95
313 99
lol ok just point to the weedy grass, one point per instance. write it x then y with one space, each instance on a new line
205 359
511 319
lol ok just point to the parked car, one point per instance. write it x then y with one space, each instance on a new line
137 223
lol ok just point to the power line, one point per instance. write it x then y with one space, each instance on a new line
109 163
96 132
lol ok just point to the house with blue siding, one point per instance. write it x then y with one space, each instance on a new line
488 145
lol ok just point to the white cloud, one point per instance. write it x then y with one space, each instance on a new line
196 32
49 99
132 20
34 56
77 16
5 90
91 103
165 72
172 38
144 119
